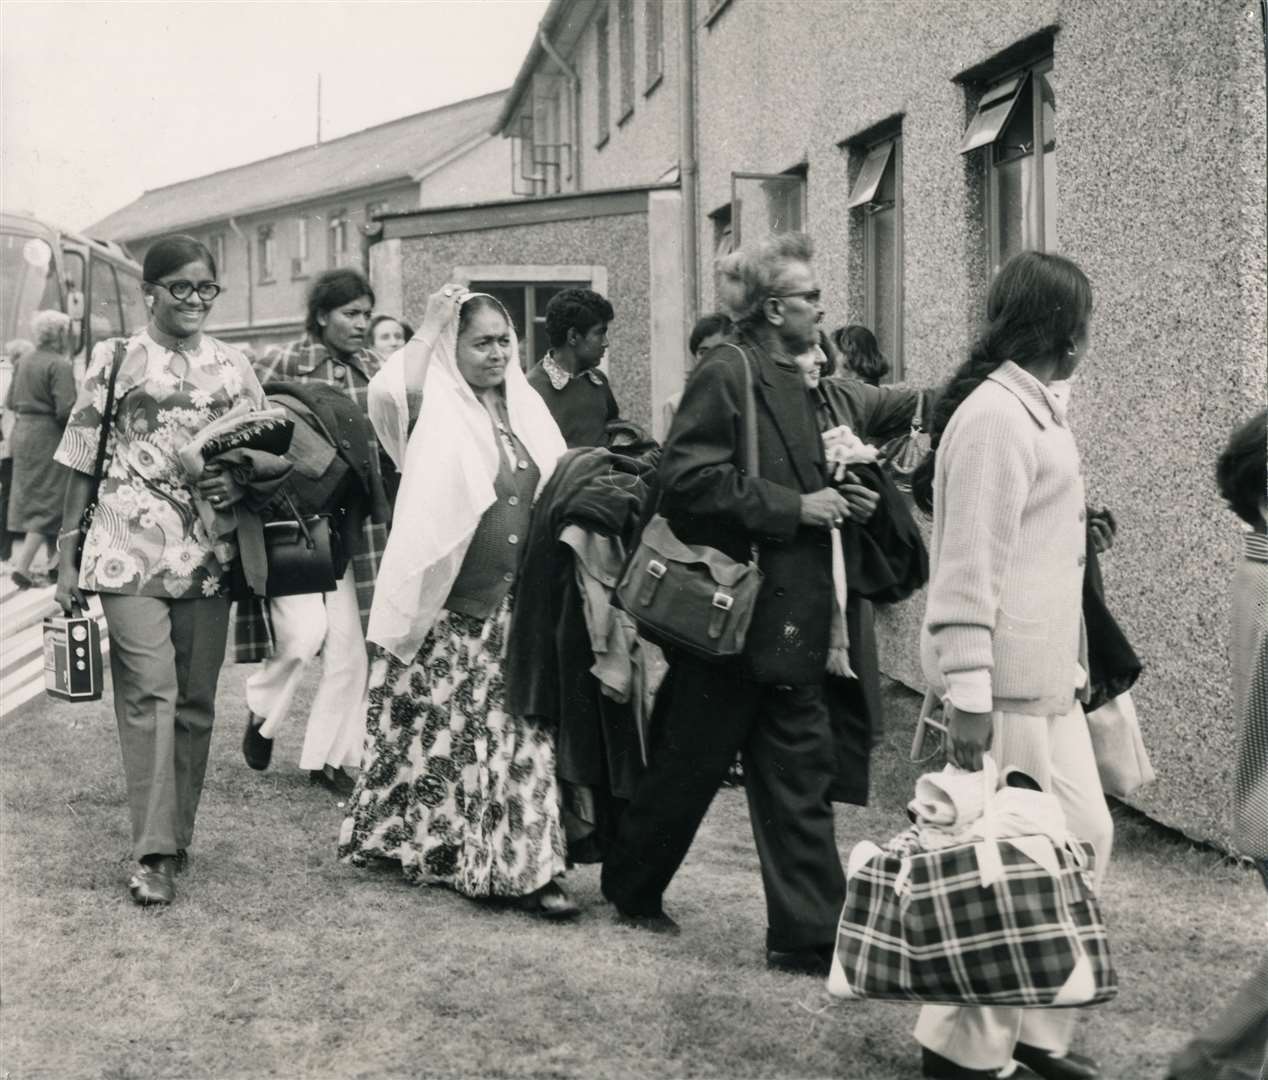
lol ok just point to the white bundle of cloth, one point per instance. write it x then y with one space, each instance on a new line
955 807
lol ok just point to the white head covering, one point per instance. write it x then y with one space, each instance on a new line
450 463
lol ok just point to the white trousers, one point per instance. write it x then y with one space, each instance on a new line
1057 752
303 626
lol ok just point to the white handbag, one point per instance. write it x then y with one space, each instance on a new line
1121 758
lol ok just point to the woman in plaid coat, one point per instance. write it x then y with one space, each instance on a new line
1003 642
334 352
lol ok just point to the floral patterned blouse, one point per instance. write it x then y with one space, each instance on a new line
146 537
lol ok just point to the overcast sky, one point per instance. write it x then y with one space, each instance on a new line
101 101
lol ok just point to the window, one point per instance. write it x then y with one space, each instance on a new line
301 238
217 245
266 247
338 237
625 39
1014 129
877 199
131 299
106 316
765 204
526 303
605 103
654 17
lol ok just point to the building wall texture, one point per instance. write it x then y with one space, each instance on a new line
644 147
1161 165
619 243
480 175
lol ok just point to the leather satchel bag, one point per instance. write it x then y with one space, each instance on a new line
692 596
304 556
902 455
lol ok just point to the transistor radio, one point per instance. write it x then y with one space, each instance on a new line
72 658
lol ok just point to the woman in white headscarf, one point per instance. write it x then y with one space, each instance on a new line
456 790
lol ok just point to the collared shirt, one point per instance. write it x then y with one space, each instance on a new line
581 404
146 537
559 378
310 361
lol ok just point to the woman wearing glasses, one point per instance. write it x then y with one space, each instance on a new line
147 553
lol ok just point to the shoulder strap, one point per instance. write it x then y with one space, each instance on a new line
750 413
750 429
107 418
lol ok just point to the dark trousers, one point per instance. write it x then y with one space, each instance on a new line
704 714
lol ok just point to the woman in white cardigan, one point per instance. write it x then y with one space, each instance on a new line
1003 641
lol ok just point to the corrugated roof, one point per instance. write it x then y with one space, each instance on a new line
395 150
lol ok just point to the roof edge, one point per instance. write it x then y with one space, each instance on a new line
551 19
327 142
527 200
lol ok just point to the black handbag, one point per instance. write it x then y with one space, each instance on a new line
902 455
304 556
690 595
107 418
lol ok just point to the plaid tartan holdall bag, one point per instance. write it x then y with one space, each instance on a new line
1010 921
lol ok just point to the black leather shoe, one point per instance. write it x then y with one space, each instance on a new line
336 781
152 880
659 923
936 1067
1047 1065
815 961
550 902
257 750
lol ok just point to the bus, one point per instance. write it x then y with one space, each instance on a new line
95 282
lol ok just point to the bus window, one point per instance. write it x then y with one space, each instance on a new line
134 311
105 316
28 282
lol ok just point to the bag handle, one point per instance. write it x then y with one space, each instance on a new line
299 520
107 418
918 418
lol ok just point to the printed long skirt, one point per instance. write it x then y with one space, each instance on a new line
452 787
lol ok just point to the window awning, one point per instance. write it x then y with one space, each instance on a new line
993 113
871 174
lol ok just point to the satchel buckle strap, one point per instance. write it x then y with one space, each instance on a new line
721 604
655 571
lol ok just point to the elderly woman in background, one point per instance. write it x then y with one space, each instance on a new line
41 396
13 352
388 333
454 788
334 354
148 554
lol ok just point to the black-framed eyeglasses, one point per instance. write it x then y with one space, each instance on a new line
183 290
810 296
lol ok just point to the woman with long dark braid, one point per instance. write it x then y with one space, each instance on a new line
1001 642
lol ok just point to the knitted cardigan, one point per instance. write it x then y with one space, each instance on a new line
1003 628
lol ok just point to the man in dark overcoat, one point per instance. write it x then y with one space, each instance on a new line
769 702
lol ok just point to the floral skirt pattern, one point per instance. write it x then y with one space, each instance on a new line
452 787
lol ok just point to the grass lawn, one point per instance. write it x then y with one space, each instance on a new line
277 961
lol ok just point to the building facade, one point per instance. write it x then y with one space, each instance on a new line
921 144
274 224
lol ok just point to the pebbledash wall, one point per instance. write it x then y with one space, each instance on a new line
1160 128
